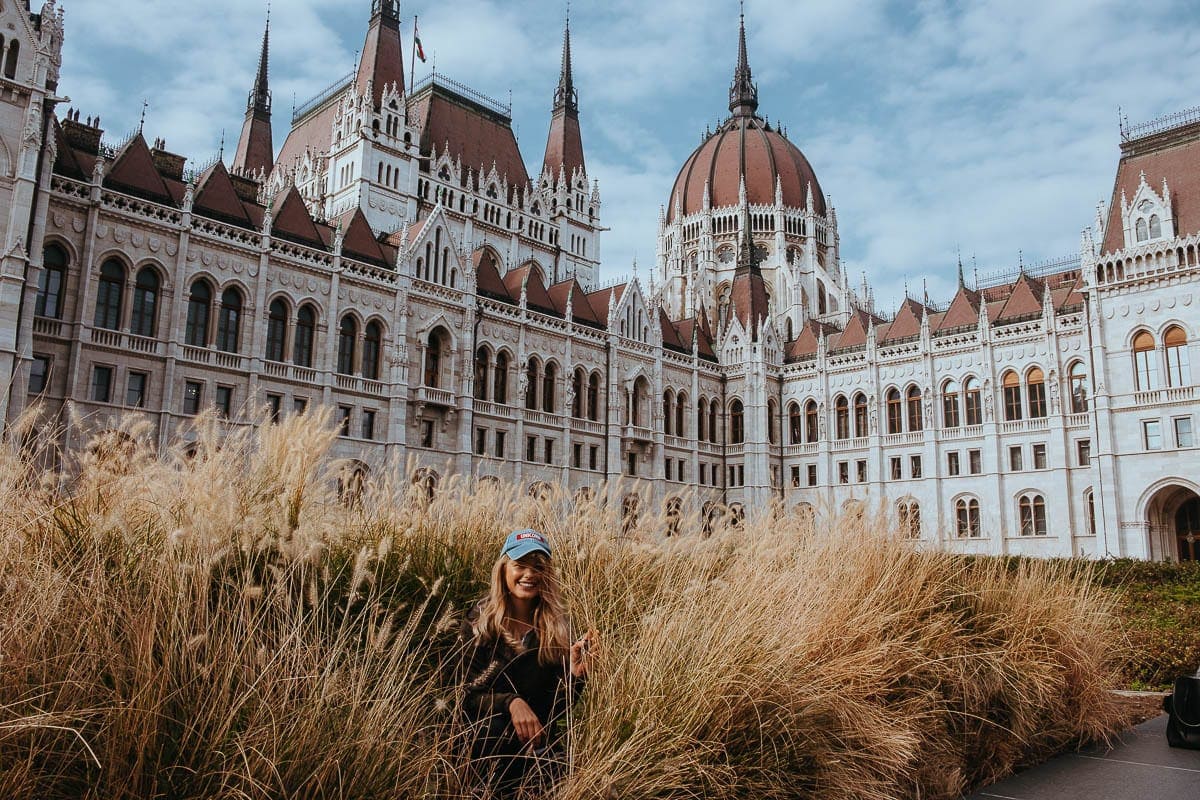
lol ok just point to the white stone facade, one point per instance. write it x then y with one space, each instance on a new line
1091 452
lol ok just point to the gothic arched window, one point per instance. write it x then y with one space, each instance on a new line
1011 384
145 303
972 402
860 415
842 417
1145 361
950 418
1179 370
51 282
895 411
1035 384
199 308
500 379
306 330
277 319
108 295
347 344
229 321
372 349
737 422
1032 508
1079 388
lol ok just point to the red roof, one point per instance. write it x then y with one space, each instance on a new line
487 276
907 322
963 311
581 309
745 146
564 145
749 297
1171 154
855 332
601 297
291 220
1025 300
670 335
314 133
134 172
358 240
469 132
67 163
216 197
530 278
687 328
382 62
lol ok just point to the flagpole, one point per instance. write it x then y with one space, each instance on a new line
412 72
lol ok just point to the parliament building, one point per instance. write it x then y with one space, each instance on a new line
397 261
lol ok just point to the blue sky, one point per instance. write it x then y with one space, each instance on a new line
933 125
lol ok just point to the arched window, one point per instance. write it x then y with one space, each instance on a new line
909 514
1035 383
1145 361
548 385
1079 388
10 63
914 409
579 390
812 426
306 330
842 417
795 424
531 383
713 431
1090 500
500 379
435 346
1032 508
145 303
347 343
277 320
702 419
860 415
108 295
895 411
681 415
966 518
1179 370
229 322
973 402
737 422
1011 383
1142 232
199 305
372 348
1155 227
482 356
668 412
594 397
772 422
950 418
51 282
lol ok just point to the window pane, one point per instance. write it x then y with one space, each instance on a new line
102 384
1152 432
1183 432
135 390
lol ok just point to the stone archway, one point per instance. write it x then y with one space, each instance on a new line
1173 514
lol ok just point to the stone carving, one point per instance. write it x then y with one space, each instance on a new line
988 400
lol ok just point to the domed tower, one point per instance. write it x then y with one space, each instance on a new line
747 169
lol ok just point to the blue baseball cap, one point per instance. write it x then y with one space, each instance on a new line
523 542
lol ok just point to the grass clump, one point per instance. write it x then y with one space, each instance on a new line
224 626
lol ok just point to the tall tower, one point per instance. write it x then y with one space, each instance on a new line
564 145
382 62
255 151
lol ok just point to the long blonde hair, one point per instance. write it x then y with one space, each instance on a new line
549 615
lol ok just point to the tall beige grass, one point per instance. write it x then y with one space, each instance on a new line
224 626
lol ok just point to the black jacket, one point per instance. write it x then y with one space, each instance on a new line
493 673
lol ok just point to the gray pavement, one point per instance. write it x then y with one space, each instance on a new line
1139 767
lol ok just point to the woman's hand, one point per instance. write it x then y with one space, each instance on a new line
581 653
525 721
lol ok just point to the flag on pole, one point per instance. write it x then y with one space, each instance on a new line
417 42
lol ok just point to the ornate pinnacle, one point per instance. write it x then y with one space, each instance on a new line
743 93
260 95
565 96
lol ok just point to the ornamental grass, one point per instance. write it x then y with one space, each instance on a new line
221 624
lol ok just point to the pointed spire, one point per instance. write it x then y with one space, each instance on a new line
962 283
746 262
255 150
260 95
381 65
565 96
743 93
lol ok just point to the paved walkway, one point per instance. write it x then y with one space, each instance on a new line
1140 767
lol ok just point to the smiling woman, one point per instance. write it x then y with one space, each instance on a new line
516 660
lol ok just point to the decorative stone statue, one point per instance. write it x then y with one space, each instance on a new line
988 400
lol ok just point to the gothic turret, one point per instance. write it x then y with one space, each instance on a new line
564 147
743 93
382 63
749 290
255 151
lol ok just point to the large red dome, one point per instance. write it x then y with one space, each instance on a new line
745 145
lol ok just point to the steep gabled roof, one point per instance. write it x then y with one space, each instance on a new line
1069 295
581 310
216 198
467 131
855 332
66 163
670 335
536 296
687 328
963 311
358 240
134 172
600 298
1025 300
487 277
907 322
291 220
749 298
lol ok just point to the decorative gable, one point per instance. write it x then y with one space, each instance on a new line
1148 217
